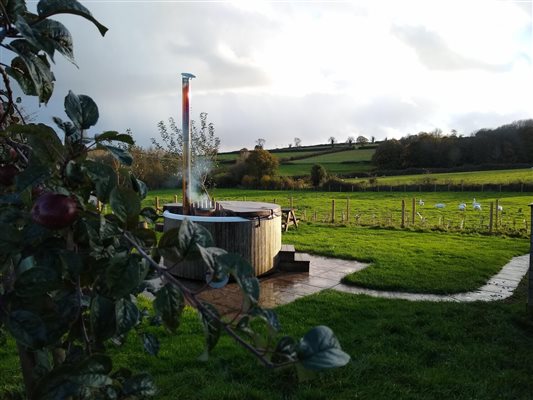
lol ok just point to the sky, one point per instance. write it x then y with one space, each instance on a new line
308 69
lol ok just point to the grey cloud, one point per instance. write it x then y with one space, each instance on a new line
435 54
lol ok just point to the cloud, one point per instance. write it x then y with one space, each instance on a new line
435 54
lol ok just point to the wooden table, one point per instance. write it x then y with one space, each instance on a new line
288 218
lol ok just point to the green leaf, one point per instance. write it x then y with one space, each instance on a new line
285 350
190 235
37 281
103 177
47 8
124 274
15 8
243 273
139 385
114 136
27 328
31 66
169 245
103 317
43 140
139 186
10 239
212 329
127 316
320 349
72 133
54 34
34 38
150 214
146 236
269 316
217 276
121 155
169 305
126 205
150 343
34 174
81 109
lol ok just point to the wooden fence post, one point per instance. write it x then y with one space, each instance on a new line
496 212
291 203
348 209
157 203
175 198
332 211
403 213
530 270
413 213
491 221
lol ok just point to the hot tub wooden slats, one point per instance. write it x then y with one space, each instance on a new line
257 241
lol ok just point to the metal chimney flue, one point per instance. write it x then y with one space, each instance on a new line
186 156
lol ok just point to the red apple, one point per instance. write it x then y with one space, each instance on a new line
7 174
54 211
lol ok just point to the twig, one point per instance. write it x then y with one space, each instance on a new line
6 113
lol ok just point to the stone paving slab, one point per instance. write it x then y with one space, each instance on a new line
326 273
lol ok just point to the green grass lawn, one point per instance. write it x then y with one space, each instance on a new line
301 168
355 155
399 349
475 177
412 261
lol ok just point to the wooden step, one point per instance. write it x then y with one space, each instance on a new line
300 263
159 226
286 254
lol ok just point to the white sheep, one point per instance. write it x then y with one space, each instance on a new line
420 202
476 205
462 206
440 205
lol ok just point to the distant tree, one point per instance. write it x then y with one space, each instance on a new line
290 145
260 143
332 141
297 142
388 155
318 175
373 139
260 163
361 140
204 146
350 141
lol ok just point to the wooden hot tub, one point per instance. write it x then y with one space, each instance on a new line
250 229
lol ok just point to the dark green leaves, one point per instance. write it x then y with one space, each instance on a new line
169 305
120 154
180 243
31 70
114 136
37 281
47 8
54 35
150 343
127 316
103 177
124 274
103 317
320 349
212 329
27 328
43 140
126 205
81 110
139 385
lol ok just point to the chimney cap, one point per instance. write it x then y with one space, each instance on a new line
187 75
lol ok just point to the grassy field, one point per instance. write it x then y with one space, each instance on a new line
356 155
299 168
384 208
475 177
399 349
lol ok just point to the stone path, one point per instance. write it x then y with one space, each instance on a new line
326 273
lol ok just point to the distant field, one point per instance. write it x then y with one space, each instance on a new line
301 168
355 155
475 177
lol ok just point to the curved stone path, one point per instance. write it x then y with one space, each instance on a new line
499 287
326 273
